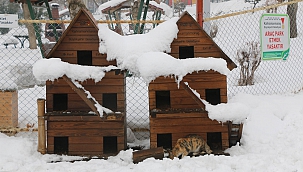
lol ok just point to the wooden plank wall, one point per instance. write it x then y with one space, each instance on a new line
111 83
85 133
82 36
179 97
182 124
190 34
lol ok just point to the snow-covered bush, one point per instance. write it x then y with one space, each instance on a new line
249 59
213 30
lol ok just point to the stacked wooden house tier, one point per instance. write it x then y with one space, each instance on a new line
74 124
178 111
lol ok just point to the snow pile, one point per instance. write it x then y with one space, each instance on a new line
108 4
53 68
126 49
271 141
168 11
144 55
154 64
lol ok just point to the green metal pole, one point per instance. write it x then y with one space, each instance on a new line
115 17
159 17
137 26
36 27
144 15
50 16
110 18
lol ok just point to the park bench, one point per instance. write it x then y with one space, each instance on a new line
11 41
7 44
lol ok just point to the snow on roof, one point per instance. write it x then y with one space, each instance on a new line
64 11
143 55
166 8
109 4
53 68
126 49
154 64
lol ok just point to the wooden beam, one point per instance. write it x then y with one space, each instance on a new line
41 126
192 95
89 101
157 153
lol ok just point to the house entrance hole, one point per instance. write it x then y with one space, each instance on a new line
186 52
61 145
110 144
84 58
162 99
60 102
164 140
213 96
109 100
214 140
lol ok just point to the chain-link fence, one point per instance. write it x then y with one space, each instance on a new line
232 33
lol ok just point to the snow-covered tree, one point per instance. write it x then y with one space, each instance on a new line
74 6
249 59
292 13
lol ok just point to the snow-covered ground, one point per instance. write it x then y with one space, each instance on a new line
272 134
272 141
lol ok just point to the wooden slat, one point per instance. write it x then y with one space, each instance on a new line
82 17
192 95
185 41
86 133
202 76
97 61
187 129
82 31
73 147
86 153
67 53
191 33
90 102
81 39
197 48
83 23
84 125
179 106
117 80
201 54
93 89
80 118
201 85
186 24
182 93
76 46
182 115
156 122
75 103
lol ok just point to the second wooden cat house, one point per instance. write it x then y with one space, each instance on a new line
178 111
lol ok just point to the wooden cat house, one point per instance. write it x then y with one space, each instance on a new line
177 111
74 126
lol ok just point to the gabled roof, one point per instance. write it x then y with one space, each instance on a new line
186 16
76 19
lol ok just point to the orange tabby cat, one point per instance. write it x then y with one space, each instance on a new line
190 144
